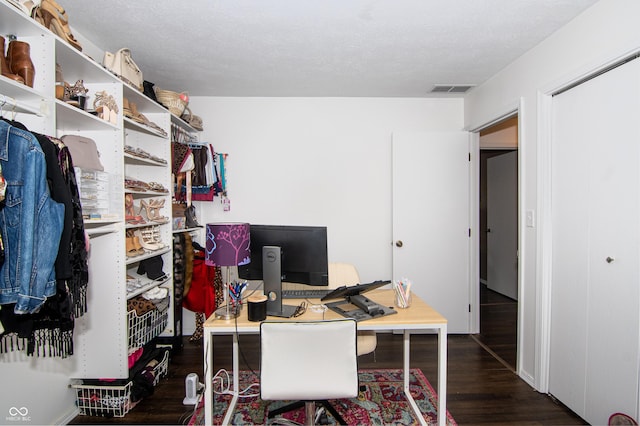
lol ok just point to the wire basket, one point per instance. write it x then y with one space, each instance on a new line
143 328
113 400
172 101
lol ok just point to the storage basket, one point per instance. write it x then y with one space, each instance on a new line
112 400
143 328
172 101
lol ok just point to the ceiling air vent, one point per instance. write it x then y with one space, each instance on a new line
451 88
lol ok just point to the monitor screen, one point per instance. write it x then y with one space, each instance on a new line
304 253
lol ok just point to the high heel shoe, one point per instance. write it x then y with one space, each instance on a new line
101 105
52 16
152 210
145 236
4 66
129 213
155 232
78 95
133 246
19 61
106 107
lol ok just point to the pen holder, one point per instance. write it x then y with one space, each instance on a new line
403 301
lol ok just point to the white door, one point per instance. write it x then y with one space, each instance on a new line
431 220
502 224
593 364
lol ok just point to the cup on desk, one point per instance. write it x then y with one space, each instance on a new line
403 300
257 307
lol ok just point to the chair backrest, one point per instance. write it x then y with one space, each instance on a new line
342 274
314 360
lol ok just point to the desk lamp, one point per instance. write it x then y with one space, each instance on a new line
227 246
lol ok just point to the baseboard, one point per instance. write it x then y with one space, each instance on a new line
67 417
527 378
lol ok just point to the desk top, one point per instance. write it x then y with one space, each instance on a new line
419 316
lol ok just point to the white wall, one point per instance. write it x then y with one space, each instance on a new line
605 32
318 161
37 387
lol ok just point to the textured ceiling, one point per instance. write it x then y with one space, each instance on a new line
386 48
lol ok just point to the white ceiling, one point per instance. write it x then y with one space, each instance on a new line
379 48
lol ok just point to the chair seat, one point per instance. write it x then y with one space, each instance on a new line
347 274
367 342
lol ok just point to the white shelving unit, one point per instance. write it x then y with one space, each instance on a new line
102 335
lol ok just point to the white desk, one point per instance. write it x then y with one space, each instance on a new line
419 316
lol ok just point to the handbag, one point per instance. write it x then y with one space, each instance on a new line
149 90
121 64
84 152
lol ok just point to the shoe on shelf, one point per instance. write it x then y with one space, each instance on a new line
4 66
155 232
106 107
129 213
53 17
145 236
133 246
155 186
77 95
19 61
152 211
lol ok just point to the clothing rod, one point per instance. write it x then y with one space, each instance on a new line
17 106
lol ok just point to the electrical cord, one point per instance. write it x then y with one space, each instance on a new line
187 416
244 358
225 387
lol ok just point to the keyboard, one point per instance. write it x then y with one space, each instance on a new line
304 294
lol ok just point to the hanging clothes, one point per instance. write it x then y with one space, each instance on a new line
49 330
195 170
30 221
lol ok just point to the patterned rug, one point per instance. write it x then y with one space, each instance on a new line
381 402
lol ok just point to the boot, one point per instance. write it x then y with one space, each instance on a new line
19 59
6 71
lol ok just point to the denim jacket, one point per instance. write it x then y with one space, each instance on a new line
31 223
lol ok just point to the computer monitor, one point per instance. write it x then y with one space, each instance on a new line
304 257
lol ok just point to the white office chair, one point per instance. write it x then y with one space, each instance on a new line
308 361
346 274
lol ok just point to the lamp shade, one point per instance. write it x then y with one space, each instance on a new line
227 244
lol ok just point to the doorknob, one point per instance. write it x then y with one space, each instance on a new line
399 243
610 259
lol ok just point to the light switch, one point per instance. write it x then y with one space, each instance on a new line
531 219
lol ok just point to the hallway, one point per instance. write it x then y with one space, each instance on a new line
498 326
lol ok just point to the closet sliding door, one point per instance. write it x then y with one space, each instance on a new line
596 245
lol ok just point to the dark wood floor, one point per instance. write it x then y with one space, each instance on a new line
498 325
482 390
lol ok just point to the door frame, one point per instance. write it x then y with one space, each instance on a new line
508 112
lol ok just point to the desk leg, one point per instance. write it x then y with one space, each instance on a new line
442 375
236 382
406 373
208 374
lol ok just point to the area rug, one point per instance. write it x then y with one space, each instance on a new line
381 402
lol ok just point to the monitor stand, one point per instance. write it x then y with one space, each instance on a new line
272 277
